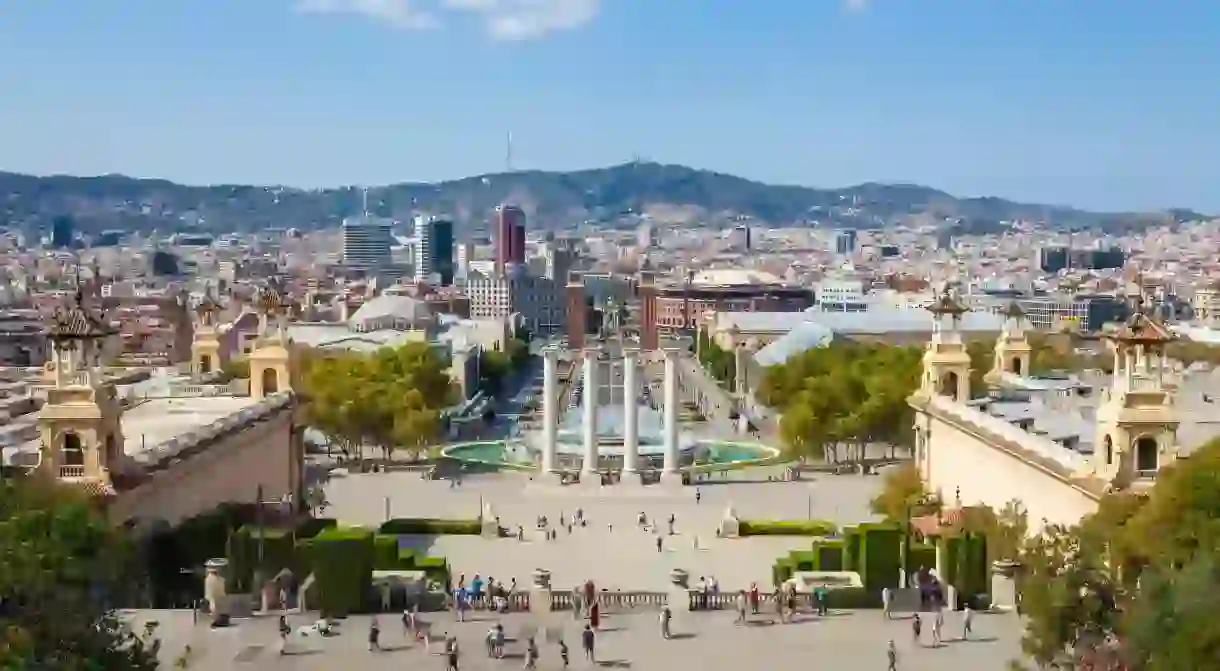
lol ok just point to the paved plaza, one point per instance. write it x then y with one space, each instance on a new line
707 641
611 550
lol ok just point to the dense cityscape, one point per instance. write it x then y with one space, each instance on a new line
316 352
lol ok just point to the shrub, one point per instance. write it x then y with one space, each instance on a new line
343 568
880 556
278 549
431 527
781 571
436 569
802 560
313 526
922 555
787 528
851 598
828 555
851 549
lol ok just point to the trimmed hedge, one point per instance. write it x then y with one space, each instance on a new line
852 598
787 528
802 560
781 571
880 556
431 527
828 555
968 567
923 556
851 548
343 568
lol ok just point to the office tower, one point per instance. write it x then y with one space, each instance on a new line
366 241
434 249
644 235
510 236
464 255
62 229
845 242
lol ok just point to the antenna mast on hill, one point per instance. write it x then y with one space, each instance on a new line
364 201
508 152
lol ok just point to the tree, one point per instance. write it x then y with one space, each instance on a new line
494 366
62 563
1129 579
390 399
903 495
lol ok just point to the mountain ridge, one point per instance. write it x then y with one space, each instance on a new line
551 198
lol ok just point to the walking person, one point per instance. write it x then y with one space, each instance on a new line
374 636
563 653
886 597
666 618
587 641
531 654
917 628
967 623
741 608
891 654
451 654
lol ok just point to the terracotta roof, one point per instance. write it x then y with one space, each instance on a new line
1013 311
947 304
74 322
1142 329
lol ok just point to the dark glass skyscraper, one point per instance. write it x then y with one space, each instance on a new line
62 230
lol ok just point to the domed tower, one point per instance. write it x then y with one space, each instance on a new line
205 346
946 363
271 357
1136 422
80 424
1013 352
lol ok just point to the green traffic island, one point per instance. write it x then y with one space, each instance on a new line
863 560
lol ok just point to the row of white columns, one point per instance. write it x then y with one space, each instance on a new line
631 420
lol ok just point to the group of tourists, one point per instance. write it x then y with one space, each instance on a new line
490 595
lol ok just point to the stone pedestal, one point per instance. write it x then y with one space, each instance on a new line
215 591
590 481
541 599
490 526
1004 585
678 598
730 526
671 479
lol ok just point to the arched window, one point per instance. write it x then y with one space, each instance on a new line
948 385
73 454
270 381
1108 446
1016 365
1146 458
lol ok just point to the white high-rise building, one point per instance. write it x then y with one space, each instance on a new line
366 241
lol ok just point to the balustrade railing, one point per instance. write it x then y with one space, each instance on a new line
71 471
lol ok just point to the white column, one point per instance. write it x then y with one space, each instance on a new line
550 411
631 418
589 463
670 464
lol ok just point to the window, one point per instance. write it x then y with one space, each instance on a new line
1146 457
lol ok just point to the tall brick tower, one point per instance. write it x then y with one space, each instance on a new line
577 312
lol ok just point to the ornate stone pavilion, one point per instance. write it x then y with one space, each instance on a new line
1057 444
158 446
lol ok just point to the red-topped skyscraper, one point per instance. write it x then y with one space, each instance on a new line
509 226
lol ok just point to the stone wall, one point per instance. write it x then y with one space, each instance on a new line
231 470
957 455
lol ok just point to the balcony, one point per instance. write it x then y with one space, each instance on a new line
71 472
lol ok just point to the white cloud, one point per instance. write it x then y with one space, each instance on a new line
855 5
503 19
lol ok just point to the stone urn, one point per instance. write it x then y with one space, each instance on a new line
542 578
680 578
214 588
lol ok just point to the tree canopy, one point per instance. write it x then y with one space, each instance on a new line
1139 573
63 562
391 398
845 394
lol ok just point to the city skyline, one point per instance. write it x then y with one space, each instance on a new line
1093 105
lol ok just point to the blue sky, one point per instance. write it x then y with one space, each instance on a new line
1108 104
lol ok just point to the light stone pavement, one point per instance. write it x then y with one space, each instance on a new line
707 641
624 557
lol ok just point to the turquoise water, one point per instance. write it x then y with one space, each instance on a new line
494 452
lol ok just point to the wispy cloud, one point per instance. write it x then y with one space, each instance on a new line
855 5
510 20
